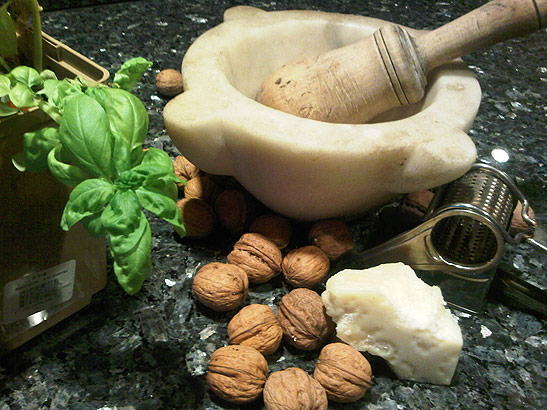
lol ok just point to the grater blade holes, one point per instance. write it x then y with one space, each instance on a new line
463 240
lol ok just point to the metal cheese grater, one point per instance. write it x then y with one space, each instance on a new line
461 239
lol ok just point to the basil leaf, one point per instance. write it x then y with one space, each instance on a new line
130 240
127 115
26 75
87 198
37 145
65 173
48 75
169 189
5 85
130 72
128 122
94 226
121 218
132 268
97 93
162 205
154 156
6 110
8 45
84 132
50 110
57 92
22 96
146 175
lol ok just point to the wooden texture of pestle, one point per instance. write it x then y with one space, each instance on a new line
353 84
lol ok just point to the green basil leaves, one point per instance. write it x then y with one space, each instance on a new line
130 72
97 149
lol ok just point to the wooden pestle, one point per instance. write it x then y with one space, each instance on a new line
352 84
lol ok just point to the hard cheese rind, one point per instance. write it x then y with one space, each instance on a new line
389 312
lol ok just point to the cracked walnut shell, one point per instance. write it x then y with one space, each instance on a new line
294 389
343 371
305 267
258 256
304 320
256 326
237 373
220 286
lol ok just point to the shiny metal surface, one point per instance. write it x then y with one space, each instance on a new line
463 235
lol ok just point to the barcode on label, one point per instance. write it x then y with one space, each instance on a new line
38 291
39 294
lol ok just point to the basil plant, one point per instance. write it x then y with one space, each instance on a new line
97 149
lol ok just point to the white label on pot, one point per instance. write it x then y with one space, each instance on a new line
38 291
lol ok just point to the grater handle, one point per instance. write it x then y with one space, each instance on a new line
513 290
536 244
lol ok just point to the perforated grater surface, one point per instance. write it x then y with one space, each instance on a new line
462 237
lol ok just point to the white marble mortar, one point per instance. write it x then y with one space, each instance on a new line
302 168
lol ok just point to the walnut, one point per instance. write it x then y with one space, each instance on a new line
518 225
294 389
332 236
256 326
201 187
169 82
305 267
198 217
304 320
343 371
258 256
274 227
185 170
232 207
237 373
417 202
220 286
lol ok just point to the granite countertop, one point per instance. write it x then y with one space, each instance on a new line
150 351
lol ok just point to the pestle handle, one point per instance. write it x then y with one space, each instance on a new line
355 83
494 22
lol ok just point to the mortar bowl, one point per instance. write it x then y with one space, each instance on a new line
306 169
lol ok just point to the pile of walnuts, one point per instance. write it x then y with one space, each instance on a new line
238 372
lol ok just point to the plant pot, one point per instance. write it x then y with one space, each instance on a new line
46 274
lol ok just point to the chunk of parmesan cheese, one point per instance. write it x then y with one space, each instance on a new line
389 312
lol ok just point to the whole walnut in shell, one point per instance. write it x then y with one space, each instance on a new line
274 227
184 169
518 224
294 389
343 371
232 207
258 256
198 217
304 320
237 373
256 326
169 82
201 187
332 236
305 267
220 286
